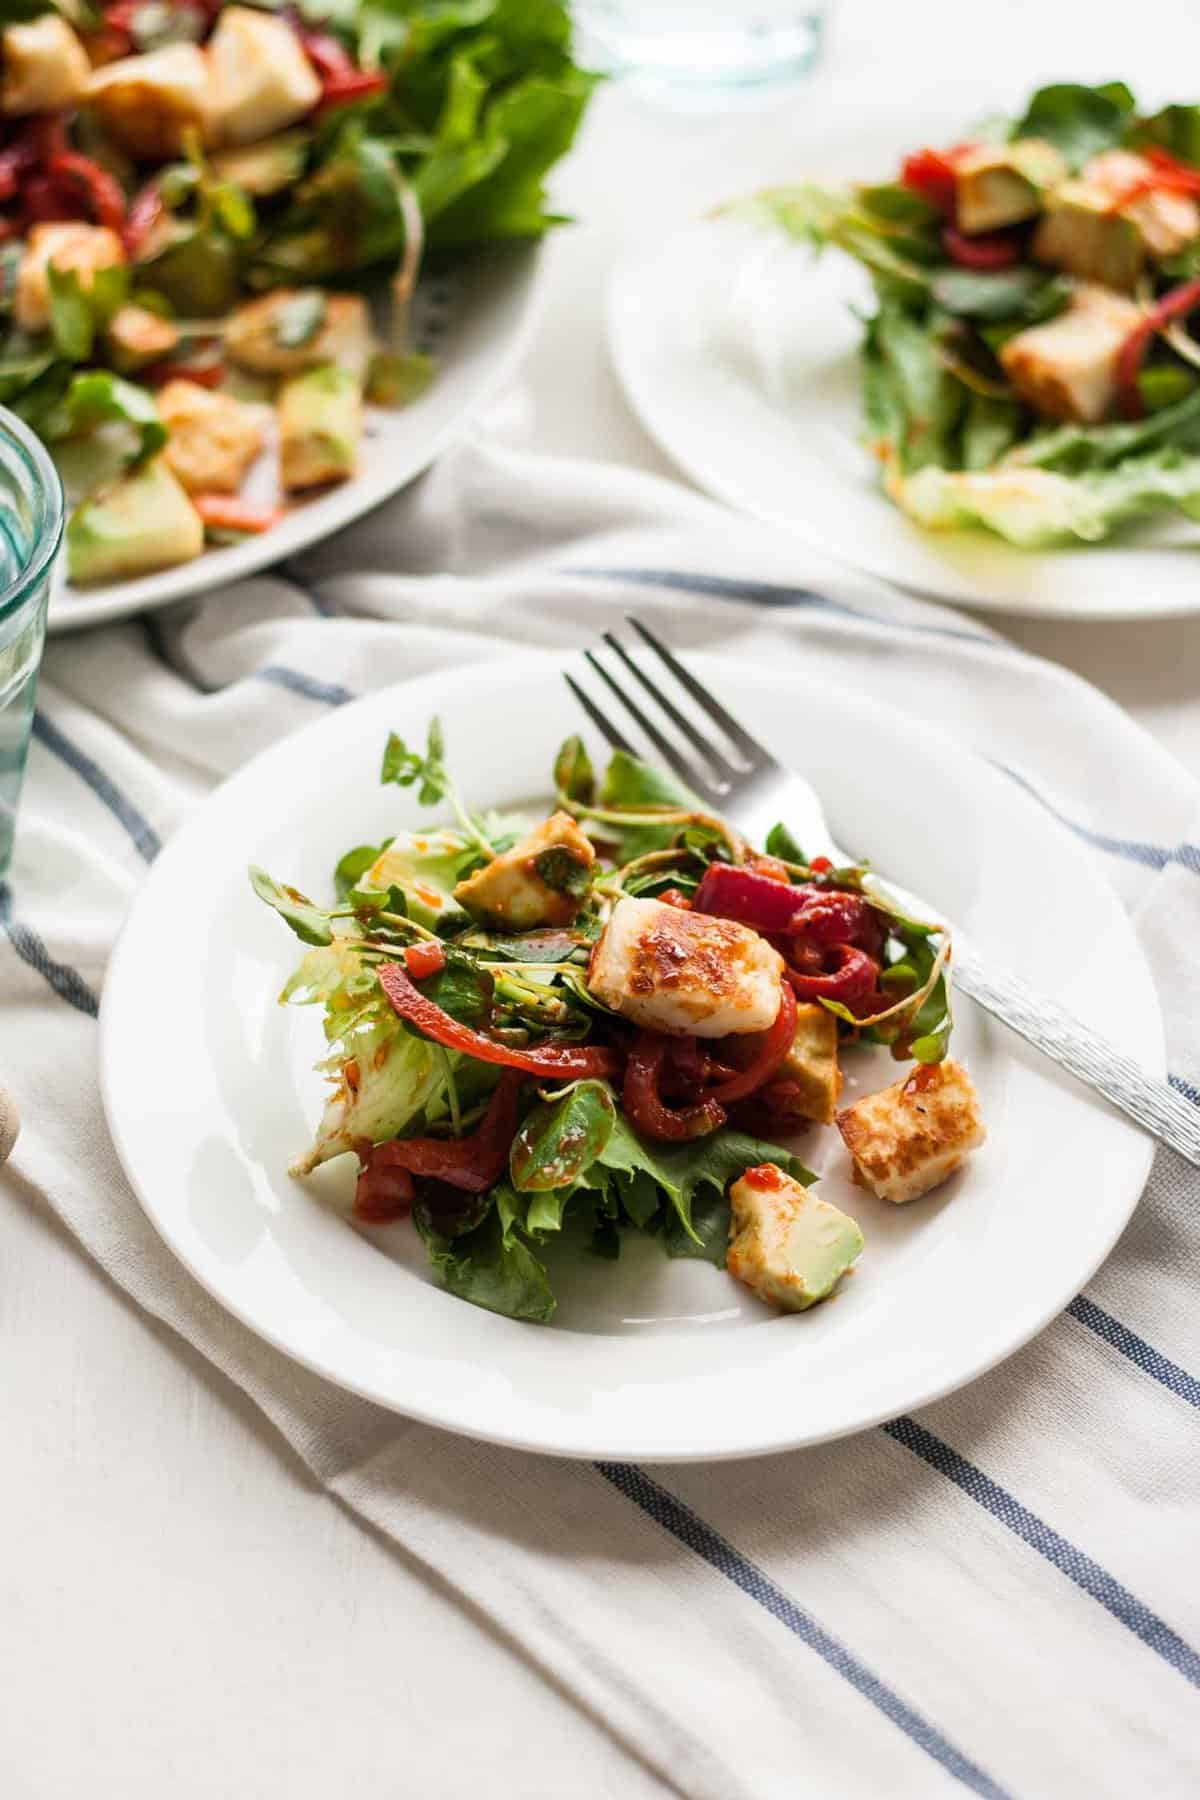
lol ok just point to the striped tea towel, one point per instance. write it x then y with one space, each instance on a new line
999 1595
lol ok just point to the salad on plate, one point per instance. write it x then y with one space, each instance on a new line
199 201
1028 365
616 1018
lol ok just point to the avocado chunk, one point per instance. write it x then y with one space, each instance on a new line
320 427
261 170
811 1065
1080 233
1002 184
787 1245
142 522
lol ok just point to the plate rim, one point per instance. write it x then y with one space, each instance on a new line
524 663
80 609
640 261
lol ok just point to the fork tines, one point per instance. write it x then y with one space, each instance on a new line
714 772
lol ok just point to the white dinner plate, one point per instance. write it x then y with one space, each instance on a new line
739 351
209 1090
475 321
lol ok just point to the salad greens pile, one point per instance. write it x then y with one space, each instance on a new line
575 1159
976 417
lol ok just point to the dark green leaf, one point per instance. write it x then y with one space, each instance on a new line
462 988
563 871
990 427
1022 293
561 1138
354 865
1174 128
310 923
573 772
782 844
1080 121
1162 384
78 313
492 1269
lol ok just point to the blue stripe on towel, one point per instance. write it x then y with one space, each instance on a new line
774 594
692 1531
1185 1088
146 840
1072 1562
1151 856
329 693
65 981
1152 1362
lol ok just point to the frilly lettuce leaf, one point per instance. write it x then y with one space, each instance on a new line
1034 507
382 1074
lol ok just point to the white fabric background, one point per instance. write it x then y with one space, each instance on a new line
180 1603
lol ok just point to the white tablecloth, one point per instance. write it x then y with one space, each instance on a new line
180 1609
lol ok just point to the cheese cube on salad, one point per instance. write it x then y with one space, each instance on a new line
293 329
1001 184
147 103
213 438
1068 366
909 1138
785 1243
261 78
45 66
1165 221
542 880
681 972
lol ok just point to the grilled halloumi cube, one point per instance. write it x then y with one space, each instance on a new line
146 103
911 1136
786 1244
811 1065
542 880
45 66
260 335
213 438
135 336
1002 184
261 78
1066 368
1164 221
681 972
82 249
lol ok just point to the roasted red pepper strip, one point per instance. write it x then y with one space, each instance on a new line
1173 305
102 193
987 250
930 173
742 894
355 84
644 1103
424 959
854 976
224 512
771 1049
205 374
828 916
471 1163
564 1060
384 1190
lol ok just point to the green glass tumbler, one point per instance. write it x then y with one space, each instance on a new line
31 529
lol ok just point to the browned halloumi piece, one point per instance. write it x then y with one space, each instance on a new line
908 1138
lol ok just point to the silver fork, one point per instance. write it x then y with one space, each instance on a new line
748 785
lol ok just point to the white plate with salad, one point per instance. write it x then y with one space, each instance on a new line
257 262
539 1198
965 367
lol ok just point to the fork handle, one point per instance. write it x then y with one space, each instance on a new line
1150 1102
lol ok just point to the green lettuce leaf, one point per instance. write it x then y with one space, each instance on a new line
491 1267
97 398
1035 507
1079 121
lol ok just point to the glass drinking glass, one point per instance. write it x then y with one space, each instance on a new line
31 528
703 50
